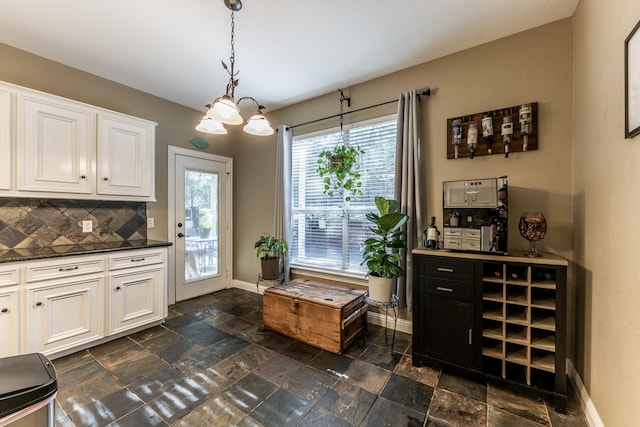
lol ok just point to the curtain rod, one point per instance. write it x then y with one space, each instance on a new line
422 92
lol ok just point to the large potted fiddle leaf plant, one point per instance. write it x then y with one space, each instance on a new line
382 253
270 250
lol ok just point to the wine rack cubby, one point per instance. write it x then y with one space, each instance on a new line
520 323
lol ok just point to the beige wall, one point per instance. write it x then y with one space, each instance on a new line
175 122
606 198
535 66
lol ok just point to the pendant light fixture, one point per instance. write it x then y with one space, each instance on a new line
224 109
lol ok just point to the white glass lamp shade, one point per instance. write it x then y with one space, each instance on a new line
258 125
208 125
225 111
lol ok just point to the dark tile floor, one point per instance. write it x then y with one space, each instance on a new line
212 364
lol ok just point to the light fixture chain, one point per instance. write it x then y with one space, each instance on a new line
233 56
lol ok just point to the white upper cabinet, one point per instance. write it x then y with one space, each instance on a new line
125 156
479 193
68 149
55 145
5 138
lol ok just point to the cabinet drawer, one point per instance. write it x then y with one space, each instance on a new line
63 268
135 259
9 276
447 268
443 288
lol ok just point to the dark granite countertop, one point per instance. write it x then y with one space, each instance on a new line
29 254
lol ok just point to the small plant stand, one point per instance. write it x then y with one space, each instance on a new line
268 283
393 305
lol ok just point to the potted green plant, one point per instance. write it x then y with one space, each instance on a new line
270 250
340 170
382 252
204 223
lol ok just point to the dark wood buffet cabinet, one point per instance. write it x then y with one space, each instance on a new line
498 318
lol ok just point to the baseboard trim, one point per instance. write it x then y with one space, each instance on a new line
246 286
588 408
379 319
373 317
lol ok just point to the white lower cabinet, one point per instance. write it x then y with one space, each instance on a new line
63 314
135 298
61 305
9 322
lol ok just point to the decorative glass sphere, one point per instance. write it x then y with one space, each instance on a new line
533 227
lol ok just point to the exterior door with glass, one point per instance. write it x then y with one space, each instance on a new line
201 228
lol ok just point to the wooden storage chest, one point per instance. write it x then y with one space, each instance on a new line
325 316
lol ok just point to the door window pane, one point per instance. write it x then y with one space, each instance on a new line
201 224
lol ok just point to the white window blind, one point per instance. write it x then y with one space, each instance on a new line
328 233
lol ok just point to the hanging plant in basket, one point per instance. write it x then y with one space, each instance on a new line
340 170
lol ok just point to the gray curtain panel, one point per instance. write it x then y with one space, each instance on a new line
282 209
408 190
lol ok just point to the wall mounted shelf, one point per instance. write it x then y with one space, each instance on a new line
497 147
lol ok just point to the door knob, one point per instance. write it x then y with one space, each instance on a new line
180 235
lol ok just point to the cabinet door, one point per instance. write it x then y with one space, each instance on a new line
136 298
446 330
5 139
456 194
63 314
484 193
55 145
125 156
9 344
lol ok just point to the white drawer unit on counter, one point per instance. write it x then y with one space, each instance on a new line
135 289
61 305
73 150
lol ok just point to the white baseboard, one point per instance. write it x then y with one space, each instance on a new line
246 286
588 408
402 325
373 317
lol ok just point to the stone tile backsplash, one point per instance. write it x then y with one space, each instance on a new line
31 223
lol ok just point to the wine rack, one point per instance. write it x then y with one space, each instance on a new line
519 326
502 318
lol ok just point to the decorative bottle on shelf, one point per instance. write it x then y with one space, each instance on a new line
487 130
524 116
456 135
507 131
472 139
432 235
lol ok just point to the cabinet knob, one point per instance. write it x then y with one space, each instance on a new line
105 179
117 288
5 310
38 304
83 177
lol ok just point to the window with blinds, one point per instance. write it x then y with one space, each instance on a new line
327 232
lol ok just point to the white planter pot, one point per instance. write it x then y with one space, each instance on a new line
381 288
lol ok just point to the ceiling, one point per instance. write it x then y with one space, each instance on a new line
286 50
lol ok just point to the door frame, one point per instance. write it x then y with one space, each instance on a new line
225 270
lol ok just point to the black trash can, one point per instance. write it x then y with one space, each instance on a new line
28 387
